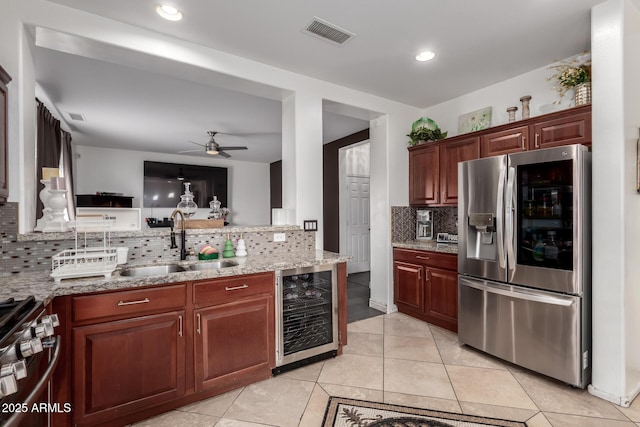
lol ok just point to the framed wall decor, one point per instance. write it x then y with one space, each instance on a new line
475 120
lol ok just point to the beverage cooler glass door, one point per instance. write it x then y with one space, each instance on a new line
307 322
545 226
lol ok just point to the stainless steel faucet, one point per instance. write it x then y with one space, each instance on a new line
183 237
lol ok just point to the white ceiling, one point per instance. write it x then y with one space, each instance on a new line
477 43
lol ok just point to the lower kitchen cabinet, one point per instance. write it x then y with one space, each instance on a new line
426 286
123 366
235 338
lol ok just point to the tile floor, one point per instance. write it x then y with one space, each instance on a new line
397 359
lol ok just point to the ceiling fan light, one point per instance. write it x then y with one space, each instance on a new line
168 12
212 151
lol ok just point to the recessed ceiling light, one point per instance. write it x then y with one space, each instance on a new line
427 55
169 13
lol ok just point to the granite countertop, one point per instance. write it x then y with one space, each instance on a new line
43 287
427 245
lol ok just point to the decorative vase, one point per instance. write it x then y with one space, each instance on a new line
582 94
512 114
526 113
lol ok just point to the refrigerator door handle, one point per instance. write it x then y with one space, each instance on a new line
527 296
509 222
500 218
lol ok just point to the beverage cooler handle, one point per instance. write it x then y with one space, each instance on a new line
500 218
509 220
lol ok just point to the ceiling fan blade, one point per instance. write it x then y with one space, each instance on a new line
188 151
233 148
197 143
223 154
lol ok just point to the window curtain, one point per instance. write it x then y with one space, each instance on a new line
48 145
67 171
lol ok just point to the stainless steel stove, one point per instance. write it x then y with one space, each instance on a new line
29 352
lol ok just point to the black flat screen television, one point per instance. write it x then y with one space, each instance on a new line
163 185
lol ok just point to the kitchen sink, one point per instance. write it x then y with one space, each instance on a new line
152 270
212 265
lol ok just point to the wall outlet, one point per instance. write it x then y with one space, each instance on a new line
279 237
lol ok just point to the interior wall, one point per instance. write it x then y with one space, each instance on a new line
331 188
616 249
499 97
122 171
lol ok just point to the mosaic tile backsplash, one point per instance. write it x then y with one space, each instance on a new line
36 255
403 222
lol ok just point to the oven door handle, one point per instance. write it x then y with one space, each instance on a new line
15 419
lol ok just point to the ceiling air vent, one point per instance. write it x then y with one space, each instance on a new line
328 31
77 117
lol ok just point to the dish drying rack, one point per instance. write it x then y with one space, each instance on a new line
87 261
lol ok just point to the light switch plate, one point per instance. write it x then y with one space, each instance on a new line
279 237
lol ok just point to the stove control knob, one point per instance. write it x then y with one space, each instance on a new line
30 347
17 369
8 385
38 331
51 319
48 329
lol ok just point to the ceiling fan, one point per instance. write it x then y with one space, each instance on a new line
212 148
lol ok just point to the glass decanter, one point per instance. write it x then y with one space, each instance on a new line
216 212
187 205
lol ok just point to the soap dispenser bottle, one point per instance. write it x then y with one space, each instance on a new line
241 248
227 252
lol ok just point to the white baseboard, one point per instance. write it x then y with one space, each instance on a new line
377 305
624 401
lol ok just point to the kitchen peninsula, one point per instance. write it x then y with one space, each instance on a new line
133 346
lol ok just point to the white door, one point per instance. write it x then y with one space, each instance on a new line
358 226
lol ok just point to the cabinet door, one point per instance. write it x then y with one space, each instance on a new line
408 286
450 154
234 343
572 129
424 175
507 141
441 297
126 366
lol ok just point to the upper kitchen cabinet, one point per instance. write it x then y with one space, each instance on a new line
4 185
451 153
568 127
424 174
506 141
433 170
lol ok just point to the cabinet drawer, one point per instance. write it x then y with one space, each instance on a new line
428 258
128 303
208 292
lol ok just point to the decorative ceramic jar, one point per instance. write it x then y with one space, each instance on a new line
526 113
512 114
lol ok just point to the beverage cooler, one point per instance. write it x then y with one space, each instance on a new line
307 316
524 259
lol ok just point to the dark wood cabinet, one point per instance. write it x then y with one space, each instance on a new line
426 286
565 130
433 170
235 333
451 153
424 175
123 366
512 140
408 287
433 167
4 109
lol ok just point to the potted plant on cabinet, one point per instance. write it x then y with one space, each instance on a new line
425 130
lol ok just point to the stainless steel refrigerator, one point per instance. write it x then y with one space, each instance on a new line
524 259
